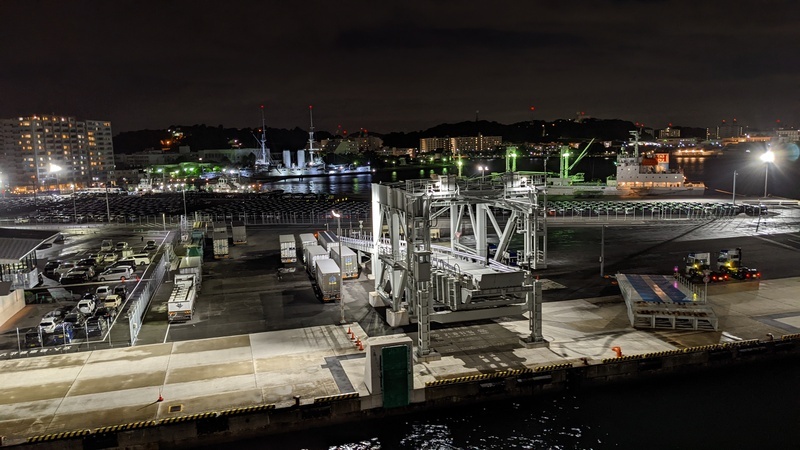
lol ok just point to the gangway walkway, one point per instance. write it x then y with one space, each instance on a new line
660 301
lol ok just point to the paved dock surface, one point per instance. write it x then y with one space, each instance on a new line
105 387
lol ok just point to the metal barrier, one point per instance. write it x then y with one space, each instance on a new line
154 277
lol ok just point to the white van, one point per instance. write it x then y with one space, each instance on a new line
141 259
116 273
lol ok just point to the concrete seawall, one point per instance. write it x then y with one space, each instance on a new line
258 420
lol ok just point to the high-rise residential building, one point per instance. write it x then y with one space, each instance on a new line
457 145
49 152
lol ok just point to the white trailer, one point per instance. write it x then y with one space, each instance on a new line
239 232
307 239
328 280
347 261
328 239
288 248
311 254
220 244
180 306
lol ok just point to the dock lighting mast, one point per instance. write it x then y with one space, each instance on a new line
768 157
341 270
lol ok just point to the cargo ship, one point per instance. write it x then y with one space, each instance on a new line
638 175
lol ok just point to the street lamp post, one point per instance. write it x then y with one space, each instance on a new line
768 157
482 169
341 270
734 187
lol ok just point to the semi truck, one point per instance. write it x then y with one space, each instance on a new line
327 239
239 233
311 255
288 248
347 261
180 306
328 280
220 244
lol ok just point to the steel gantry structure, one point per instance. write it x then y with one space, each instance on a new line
424 282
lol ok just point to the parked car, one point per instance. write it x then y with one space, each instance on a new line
50 267
121 246
116 273
109 257
90 272
150 246
112 302
95 326
90 296
87 306
33 337
86 262
141 259
74 277
105 313
64 267
121 290
102 291
127 262
76 319
107 245
48 324
62 334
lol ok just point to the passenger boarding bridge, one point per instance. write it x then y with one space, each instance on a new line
425 283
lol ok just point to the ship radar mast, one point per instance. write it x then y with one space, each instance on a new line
635 140
265 157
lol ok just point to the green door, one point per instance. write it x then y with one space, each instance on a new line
394 376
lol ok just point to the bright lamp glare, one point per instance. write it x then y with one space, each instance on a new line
768 156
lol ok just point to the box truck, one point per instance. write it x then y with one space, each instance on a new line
180 306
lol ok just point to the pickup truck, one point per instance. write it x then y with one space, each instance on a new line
112 301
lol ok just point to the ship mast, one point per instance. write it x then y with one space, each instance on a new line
635 140
265 158
311 148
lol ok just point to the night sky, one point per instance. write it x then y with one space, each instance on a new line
400 66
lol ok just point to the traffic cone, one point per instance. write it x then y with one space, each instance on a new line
360 346
352 336
358 342
160 399
348 331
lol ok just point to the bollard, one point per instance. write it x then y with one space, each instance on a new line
618 351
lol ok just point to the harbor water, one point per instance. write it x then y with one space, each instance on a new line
716 172
750 407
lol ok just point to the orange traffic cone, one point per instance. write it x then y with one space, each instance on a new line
160 399
360 346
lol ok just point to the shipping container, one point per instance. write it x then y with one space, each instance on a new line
328 280
347 261
327 239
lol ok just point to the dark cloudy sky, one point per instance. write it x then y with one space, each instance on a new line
400 66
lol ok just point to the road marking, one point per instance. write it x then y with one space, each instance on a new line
167 333
781 244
